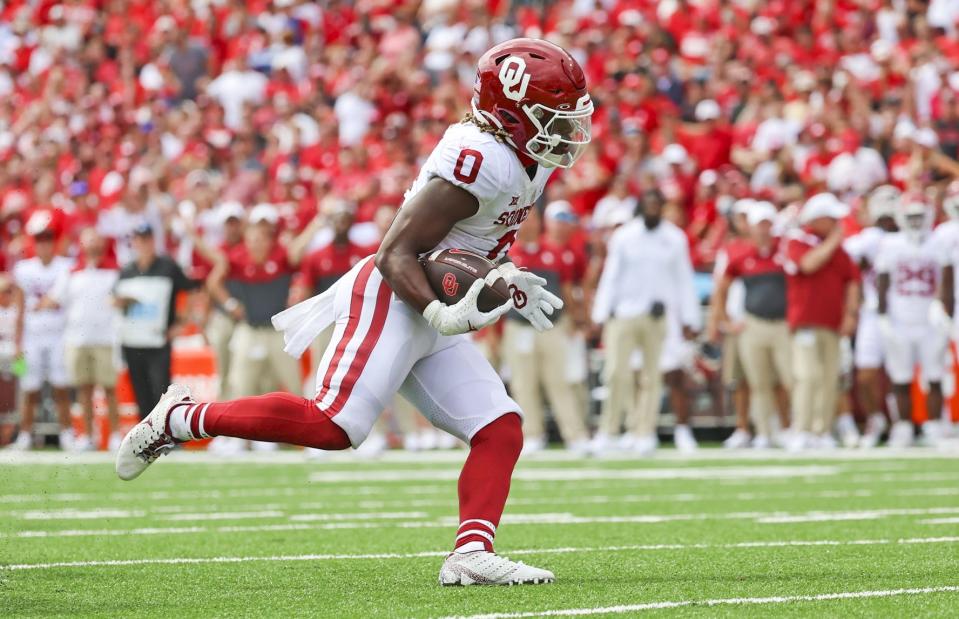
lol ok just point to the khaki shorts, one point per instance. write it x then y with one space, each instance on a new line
91 365
733 372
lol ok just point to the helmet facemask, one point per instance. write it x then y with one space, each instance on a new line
561 135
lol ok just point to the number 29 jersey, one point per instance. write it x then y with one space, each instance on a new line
476 162
915 271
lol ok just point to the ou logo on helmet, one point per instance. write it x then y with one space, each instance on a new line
512 74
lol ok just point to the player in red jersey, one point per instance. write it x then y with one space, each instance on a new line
530 114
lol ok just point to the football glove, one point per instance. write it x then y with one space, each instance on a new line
530 297
464 316
939 319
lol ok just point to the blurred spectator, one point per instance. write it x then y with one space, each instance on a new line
734 310
539 360
41 334
648 260
9 356
252 283
764 340
220 324
863 249
822 288
90 336
146 293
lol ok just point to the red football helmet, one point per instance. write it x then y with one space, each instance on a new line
536 92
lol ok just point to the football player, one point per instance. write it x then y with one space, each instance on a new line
910 268
863 247
530 115
42 331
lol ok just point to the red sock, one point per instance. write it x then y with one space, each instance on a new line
274 417
484 481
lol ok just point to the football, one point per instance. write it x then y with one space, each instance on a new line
451 272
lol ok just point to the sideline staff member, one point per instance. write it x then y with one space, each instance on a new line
146 294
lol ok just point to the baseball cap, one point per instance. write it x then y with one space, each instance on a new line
40 224
761 211
230 210
742 207
708 178
560 210
822 205
707 109
675 153
264 212
926 137
143 229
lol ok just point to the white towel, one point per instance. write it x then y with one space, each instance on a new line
303 322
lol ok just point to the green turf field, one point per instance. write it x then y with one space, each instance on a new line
277 536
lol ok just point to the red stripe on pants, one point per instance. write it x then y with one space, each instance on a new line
380 310
352 323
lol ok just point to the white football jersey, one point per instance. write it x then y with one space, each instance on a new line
36 280
475 161
914 275
946 238
865 247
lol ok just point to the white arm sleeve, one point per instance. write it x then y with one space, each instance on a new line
689 311
604 300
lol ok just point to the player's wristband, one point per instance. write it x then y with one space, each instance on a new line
231 304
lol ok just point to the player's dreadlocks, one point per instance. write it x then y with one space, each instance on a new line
501 135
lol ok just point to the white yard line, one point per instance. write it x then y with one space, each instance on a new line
453 456
225 515
940 521
416 520
577 474
784 599
274 491
81 514
441 553
592 499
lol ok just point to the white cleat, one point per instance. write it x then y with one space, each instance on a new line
148 440
684 439
737 440
488 568
83 443
901 435
875 426
533 444
373 447
645 446
67 440
24 442
848 432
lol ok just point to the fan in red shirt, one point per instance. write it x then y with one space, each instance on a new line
539 360
710 140
822 293
252 283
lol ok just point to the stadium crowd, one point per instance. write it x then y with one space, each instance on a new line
247 153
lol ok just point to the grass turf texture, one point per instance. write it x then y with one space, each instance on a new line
616 533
